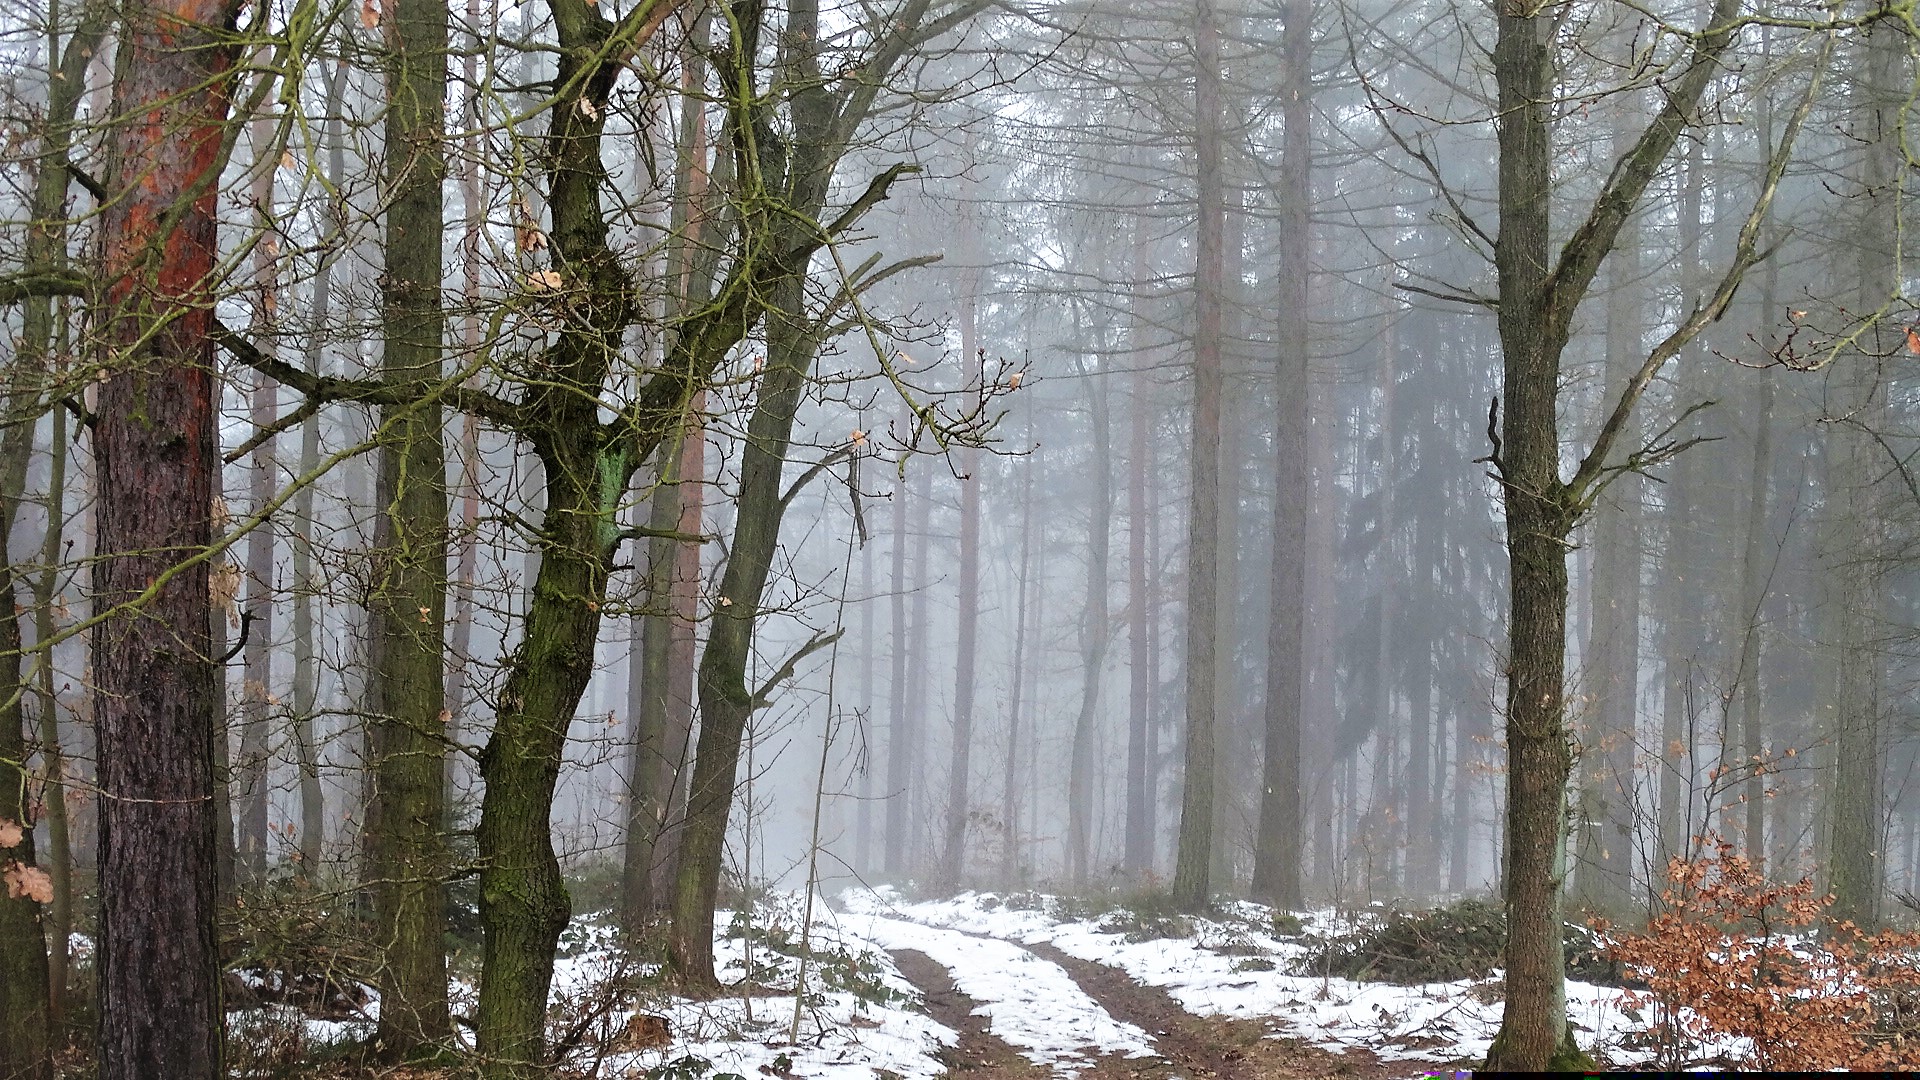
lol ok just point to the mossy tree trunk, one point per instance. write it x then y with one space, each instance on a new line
407 605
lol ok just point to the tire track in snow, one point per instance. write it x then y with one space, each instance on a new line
1031 1004
1210 1046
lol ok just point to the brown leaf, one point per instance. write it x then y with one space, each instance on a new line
11 833
369 13
28 881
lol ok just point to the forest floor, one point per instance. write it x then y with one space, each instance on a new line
1021 987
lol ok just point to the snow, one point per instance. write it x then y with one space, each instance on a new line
860 1019
1230 967
1033 1004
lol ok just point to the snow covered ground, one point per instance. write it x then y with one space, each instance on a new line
861 1019
1233 968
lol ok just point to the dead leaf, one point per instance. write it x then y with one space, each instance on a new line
1013 381
1913 340
589 110
544 281
859 437
11 833
28 881
369 13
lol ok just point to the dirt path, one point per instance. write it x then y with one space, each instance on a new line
980 1054
1190 1047
1213 1046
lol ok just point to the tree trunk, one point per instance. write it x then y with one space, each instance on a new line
1010 787
1140 689
1277 849
1093 631
1855 866
900 734
25 1023
1191 883
726 701
960 773
250 833
156 460
407 844
33 978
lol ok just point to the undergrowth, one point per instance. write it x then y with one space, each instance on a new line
1462 940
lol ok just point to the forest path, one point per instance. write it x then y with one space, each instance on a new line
1186 1046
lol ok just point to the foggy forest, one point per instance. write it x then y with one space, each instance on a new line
991 539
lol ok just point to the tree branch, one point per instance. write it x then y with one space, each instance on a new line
764 696
467 399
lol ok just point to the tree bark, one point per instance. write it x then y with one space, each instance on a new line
1538 296
406 843
25 1020
156 460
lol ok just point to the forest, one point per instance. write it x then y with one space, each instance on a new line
991 539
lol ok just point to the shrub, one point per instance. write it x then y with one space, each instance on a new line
1463 940
1737 956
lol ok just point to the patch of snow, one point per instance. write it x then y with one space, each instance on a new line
1437 1022
1031 1003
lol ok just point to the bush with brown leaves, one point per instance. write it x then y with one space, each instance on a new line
1735 956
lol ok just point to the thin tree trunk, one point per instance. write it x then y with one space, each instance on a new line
306 587
1010 787
24 1024
1140 689
59 861
960 773
25 1021
900 734
250 833
1093 631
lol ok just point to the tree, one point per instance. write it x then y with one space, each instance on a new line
407 605
1538 295
1276 868
801 168
1194 861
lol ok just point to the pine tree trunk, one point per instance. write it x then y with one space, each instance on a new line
1277 849
1193 866
1139 842
1855 866
1093 631
1009 786
960 772
156 462
900 733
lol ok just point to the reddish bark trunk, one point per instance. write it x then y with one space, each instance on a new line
155 448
